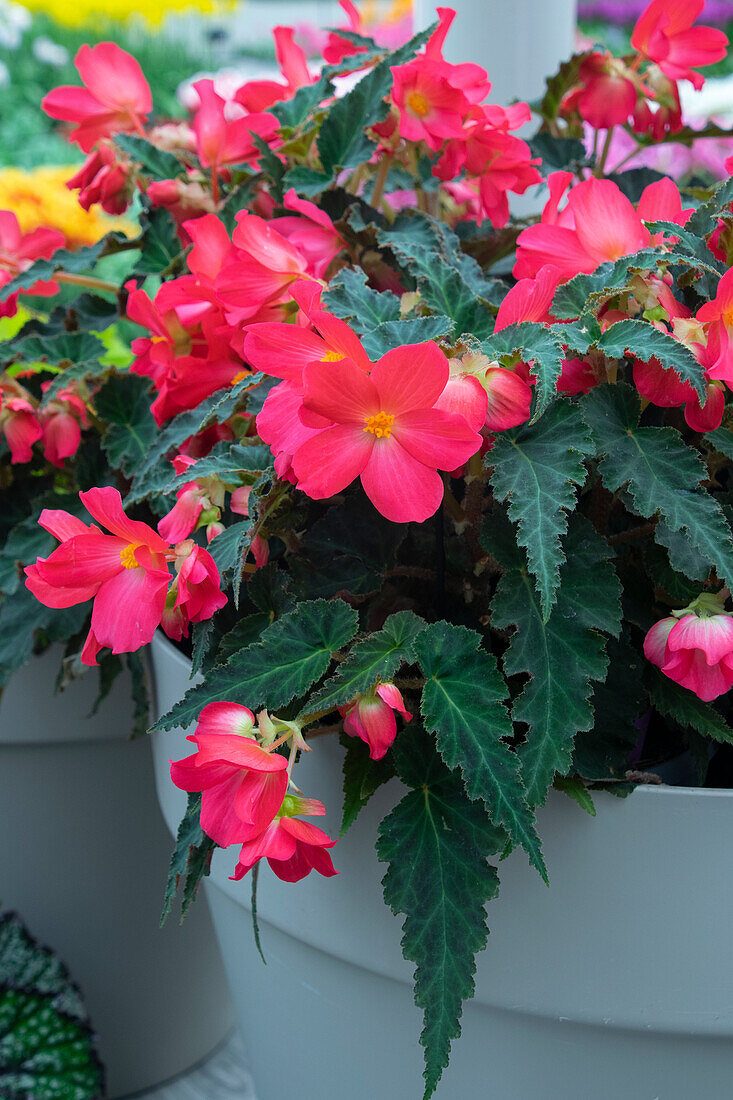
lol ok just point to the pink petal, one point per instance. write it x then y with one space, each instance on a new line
128 608
436 438
332 459
410 377
340 391
401 488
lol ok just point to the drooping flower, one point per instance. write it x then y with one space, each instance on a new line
105 177
292 847
197 585
263 271
125 573
696 651
385 430
115 97
664 33
605 94
221 140
61 420
372 718
242 784
18 421
312 232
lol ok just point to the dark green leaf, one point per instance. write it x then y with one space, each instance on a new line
306 181
562 655
705 219
83 259
575 788
464 705
77 353
161 248
602 752
394 334
450 282
537 345
156 163
435 843
124 402
294 652
349 297
537 468
225 460
362 777
662 474
191 859
557 153
376 657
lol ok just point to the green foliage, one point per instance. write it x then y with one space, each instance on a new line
450 281
362 777
464 705
226 460
537 345
82 260
292 654
191 859
562 654
77 354
557 153
602 751
155 162
414 330
160 245
662 475
349 298
46 1044
537 468
436 843
124 402
378 656
342 142
575 788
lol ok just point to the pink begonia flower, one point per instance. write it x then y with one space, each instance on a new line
258 95
529 299
18 251
61 422
384 430
106 178
115 97
494 161
263 272
312 232
710 417
292 847
259 548
283 351
221 140
125 573
337 47
577 376
431 107
717 318
18 422
464 395
664 33
605 95
372 718
510 397
694 651
597 224
242 784
184 515
197 584
661 385
280 426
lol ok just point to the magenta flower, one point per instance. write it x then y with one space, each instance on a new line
125 573
384 430
664 33
695 651
292 847
242 784
115 97
372 718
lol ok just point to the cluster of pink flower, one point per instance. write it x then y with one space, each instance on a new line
246 785
598 224
612 91
57 424
126 574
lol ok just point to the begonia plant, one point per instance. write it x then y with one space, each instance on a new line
468 513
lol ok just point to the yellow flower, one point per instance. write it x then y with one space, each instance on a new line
41 198
81 12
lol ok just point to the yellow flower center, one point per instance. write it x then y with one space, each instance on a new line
127 555
240 377
380 425
332 357
728 317
418 104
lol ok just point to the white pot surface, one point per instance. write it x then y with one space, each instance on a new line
84 864
617 981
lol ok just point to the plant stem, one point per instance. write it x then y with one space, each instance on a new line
84 280
380 180
605 151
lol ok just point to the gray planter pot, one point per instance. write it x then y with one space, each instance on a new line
84 862
615 982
